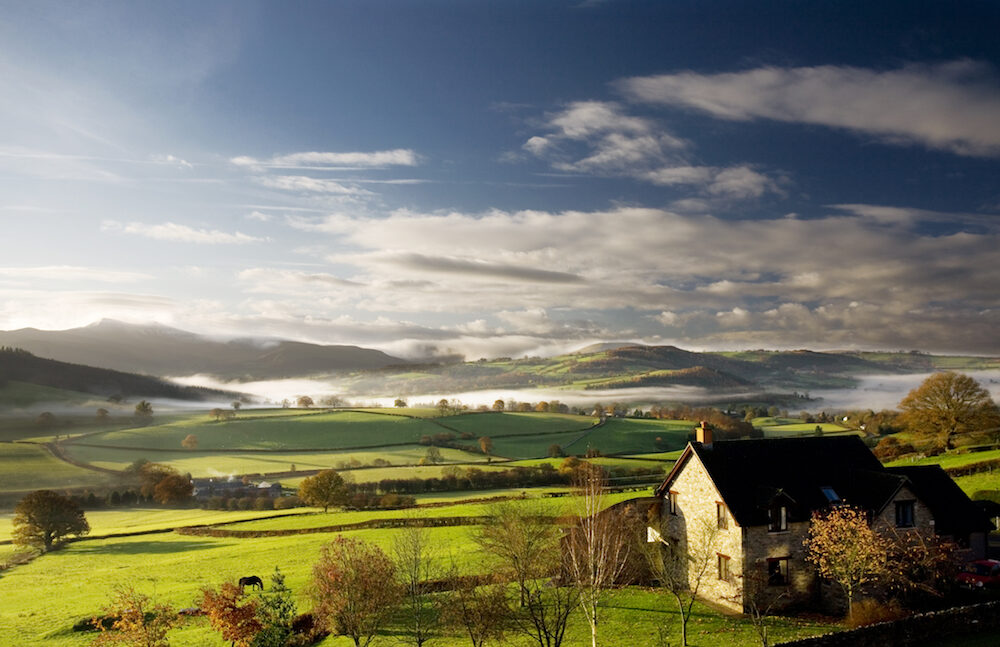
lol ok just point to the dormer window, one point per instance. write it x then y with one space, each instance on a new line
830 494
777 518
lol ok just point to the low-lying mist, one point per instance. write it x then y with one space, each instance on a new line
873 392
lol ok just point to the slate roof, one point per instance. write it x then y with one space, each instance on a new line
752 475
954 513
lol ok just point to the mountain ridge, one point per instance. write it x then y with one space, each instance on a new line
157 349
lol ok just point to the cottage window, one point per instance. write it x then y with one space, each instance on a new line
723 566
777 571
777 518
904 514
672 502
721 515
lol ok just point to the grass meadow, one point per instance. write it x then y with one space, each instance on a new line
216 464
41 600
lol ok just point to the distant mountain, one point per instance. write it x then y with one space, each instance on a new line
19 367
160 350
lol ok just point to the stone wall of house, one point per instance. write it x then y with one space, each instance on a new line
694 531
762 545
922 517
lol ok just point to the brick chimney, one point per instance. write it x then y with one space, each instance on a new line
703 434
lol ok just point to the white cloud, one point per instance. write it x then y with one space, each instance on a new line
948 106
302 183
283 281
174 232
601 138
313 159
72 273
172 161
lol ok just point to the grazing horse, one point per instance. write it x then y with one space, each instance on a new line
251 581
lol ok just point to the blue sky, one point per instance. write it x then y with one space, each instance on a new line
506 178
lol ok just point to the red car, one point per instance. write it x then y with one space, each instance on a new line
982 573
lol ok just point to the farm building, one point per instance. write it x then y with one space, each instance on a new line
753 500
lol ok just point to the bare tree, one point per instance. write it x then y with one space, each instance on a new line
479 609
759 593
415 566
681 568
597 547
525 546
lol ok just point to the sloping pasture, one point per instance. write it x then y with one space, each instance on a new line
296 430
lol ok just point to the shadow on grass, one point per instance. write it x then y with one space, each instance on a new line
145 547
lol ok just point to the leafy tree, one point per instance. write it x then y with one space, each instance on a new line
498 405
137 621
190 442
232 614
442 407
845 549
305 401
102 414
150 475
355 589
323 490
285 403
400 403
173 488
144 410
486 445
276 612
45 419
555 450
947 405
433 456
43 517
217 413
236 405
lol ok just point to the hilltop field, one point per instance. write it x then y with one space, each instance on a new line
154 548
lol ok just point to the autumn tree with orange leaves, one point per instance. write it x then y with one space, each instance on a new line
137 620
846 550
354 588
231 614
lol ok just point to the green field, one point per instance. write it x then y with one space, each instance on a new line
32 467
950 460
42 599
607 462
204 464
294 430
633 435
503 424
122 520
174 567
803 429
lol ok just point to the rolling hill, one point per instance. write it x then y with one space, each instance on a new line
20 370
160 350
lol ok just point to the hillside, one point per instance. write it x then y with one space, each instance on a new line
160 350
626 366
21 370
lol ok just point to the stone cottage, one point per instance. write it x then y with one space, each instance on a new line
752 501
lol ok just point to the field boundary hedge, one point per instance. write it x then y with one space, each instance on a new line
418 522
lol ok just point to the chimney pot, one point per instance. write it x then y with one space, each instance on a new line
703 434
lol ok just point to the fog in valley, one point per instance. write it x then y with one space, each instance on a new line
873 392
